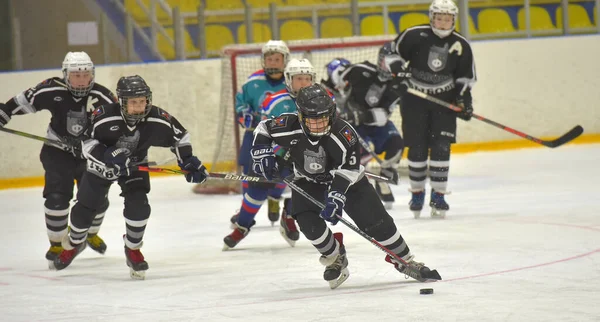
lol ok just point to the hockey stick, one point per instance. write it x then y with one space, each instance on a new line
214 175
412 271
567 137
367 148
232 176
39 138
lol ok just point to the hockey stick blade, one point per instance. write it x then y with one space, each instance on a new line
565 138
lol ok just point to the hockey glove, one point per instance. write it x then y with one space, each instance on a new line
391 174
377 116
466 103
117 159
73 146
263 161
246 118
197 173
401 74
353 113
333 207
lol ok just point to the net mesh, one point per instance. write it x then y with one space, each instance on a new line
238 62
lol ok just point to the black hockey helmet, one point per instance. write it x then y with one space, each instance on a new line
130 87
316 110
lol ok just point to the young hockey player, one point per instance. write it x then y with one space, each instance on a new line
70 99
121 134
248 105
323 152
370 95
441 64
297 74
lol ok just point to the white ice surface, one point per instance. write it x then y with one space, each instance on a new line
520 243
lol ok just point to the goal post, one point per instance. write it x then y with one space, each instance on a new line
238 62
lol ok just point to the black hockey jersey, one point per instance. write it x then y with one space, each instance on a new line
108 128
334 159
365 90
70 115
441 67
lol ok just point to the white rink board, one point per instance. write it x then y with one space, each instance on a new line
543 86
520 243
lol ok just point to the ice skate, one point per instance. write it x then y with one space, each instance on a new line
438 205
416 270
287 226
52 253
68 254
273 210
416 202
239 232
136 263
96 243
336 267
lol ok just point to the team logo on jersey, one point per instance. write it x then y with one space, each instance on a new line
76 122
58 98
348 134
438 57
263 97
279 122
129 143
315 162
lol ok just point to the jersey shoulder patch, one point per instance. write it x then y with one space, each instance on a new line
163 114
279 122
99 111
347 133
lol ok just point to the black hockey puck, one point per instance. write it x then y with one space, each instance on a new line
426 291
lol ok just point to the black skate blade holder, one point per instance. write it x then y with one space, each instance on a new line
431 276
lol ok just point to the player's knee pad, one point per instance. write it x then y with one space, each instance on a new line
57 201
393 145
311 225
440 150
418 153
82 216
104 207
136 205
382 226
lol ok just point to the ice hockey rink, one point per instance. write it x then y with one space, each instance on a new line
521 243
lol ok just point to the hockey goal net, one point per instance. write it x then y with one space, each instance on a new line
238 62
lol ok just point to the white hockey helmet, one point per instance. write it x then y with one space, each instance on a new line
445 7
297 67
78 62
275 46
